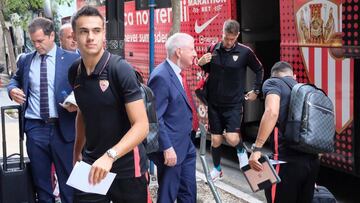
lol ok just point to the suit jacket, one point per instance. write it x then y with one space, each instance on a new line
64 59
173 110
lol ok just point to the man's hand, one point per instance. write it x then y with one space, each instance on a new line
206 58
251 96
253 161
100 169
69 107
17 95
170 157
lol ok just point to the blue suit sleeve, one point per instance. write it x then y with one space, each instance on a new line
16 80
161 91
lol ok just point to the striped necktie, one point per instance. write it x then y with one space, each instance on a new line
44 96
195 121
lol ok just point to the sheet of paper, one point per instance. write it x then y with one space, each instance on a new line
79 179
70 99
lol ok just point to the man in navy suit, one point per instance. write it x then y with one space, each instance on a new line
40 83
176 158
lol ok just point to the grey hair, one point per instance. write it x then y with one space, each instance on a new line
177 41
231 27
63 27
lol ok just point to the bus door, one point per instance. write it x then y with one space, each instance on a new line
260 30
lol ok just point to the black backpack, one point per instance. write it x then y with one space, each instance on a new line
310 126
151 143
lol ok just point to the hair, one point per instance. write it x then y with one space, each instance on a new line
231 27
63 27
177 41
85 11
41 23
281 67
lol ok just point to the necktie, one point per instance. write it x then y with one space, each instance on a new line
44 97
195 121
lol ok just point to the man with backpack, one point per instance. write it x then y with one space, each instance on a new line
299 173
111 120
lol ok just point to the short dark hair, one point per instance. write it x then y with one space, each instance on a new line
41 23
281 66
85 11
231 27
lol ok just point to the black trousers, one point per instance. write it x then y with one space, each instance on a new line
121 191
297 182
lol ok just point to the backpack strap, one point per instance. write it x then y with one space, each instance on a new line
114 82
288 110
212 47
292 86
139 76
78 71
205 68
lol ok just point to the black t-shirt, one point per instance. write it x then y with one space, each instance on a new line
279 87
105 117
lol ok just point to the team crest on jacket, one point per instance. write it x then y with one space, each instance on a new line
235 57
104 84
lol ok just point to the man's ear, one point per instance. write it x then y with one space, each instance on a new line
294 76
178 52
52 35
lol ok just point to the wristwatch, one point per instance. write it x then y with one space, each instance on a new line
254 148
257 92
112 153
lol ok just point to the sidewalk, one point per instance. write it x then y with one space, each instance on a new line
4 80
231 189
4 97
204 194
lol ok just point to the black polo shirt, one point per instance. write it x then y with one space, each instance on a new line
227 74
279 87
105 117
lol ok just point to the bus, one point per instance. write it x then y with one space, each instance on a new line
320 38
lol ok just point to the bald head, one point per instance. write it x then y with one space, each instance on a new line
66 39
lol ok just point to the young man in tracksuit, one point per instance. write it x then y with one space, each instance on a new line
227 66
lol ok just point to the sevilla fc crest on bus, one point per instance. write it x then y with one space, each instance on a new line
319 32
